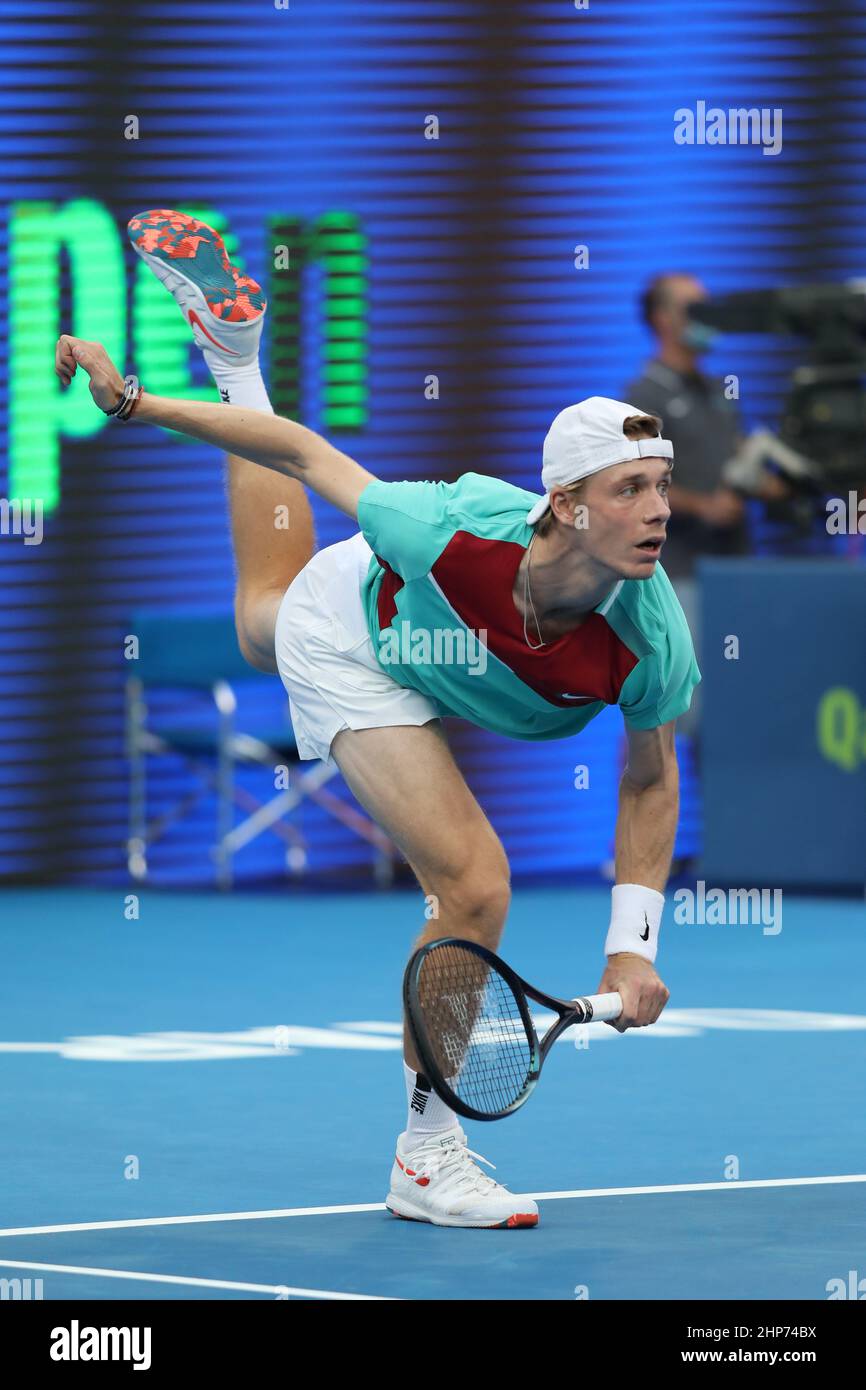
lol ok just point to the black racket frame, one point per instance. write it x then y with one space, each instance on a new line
570 1012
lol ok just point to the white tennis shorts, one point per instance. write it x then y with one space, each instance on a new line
326 659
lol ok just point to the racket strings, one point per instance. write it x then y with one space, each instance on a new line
474 1028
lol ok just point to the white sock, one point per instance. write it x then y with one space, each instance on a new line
427 1113
239 385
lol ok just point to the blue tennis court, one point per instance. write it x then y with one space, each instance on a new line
203 1103
497 364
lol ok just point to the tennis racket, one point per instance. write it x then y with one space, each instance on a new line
469 1020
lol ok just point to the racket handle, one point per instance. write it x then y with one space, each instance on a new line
603 1006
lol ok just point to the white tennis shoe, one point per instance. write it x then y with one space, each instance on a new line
224 307
440 1182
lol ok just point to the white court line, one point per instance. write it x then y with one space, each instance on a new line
696 1187
191 1220
350 1208
197 1283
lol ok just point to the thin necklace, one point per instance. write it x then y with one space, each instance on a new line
528 604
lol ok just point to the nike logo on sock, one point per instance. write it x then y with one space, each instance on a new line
419 1101
421 1094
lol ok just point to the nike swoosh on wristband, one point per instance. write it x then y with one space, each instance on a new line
644 936
195 320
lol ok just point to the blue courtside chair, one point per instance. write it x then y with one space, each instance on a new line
195 653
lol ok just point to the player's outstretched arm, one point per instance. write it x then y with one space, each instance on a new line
283 445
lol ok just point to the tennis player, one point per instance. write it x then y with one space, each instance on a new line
525 615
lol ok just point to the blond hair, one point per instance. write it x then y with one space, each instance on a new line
633 427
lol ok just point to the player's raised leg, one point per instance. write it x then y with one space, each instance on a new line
271 521
268 554
407 780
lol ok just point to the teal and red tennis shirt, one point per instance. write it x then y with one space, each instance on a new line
442 620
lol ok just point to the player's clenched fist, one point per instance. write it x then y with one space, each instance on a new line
643 994
106 383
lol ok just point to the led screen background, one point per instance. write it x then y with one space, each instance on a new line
413 257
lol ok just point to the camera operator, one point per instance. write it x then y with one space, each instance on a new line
707 517
710 444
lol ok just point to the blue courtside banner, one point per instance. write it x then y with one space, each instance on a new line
784 721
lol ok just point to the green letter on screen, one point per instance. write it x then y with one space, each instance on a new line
40 409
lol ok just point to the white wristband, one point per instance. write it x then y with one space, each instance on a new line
635 918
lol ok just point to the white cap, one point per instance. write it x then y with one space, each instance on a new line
587 437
